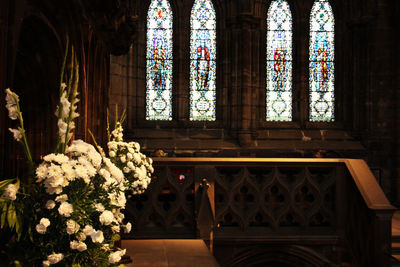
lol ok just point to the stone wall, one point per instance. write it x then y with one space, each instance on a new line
365 83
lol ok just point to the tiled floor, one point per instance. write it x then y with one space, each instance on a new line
169 253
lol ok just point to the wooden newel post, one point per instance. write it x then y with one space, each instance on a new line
206 213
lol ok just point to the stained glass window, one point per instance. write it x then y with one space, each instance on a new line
322 79
159 61
202 61
279 62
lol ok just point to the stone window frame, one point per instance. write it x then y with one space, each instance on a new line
300 71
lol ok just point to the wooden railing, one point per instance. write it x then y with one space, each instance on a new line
314 212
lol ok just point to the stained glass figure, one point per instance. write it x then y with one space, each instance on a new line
159 61
202 61
279 62
322 55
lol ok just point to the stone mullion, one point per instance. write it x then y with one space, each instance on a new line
245 66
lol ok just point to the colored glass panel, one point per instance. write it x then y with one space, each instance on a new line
202 61
322 55
159 61
279 62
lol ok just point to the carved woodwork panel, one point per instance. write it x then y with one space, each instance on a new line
274 197
167 207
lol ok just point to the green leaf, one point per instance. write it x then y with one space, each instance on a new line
4 214
115 237
3 184
18 227
11 216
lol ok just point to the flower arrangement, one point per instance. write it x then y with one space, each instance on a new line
68 211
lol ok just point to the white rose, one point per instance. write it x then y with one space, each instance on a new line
112 154
97 236
65 209
136 158
73 244
128 228
81 236
41 229
88 230
45 222
115 257
11 192
123 159
106 218
50 204
99 207
81 246
62 198
115 229
130 165
55 258
46 263
72 227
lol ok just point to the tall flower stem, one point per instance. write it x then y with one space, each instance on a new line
23 133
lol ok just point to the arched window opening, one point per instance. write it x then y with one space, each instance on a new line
203 61
159 61
322 55
279 62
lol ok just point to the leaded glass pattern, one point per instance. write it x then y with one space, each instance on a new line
202 61
159 61
279 62
322 55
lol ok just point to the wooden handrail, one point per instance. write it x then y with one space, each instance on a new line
365 181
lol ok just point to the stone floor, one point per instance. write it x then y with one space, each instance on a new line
169 253
396 236
194 253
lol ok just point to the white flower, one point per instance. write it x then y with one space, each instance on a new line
81 236
41 229
12 99
46 263
130 165
55 258
122 159
111 154
50 204
88 230
115 229
137 158
62 198
65 209
72 227
106 218
81 172
16 133
126 170
128 228
97 236
73 244
41 172
99 207
81 246
45 222
11 192
116 256
63 86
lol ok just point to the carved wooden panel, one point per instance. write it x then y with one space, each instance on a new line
167 207
274 197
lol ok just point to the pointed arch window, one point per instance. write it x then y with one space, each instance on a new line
203 61
322 55
279 62
159 61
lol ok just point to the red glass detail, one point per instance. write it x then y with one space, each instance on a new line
181 178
